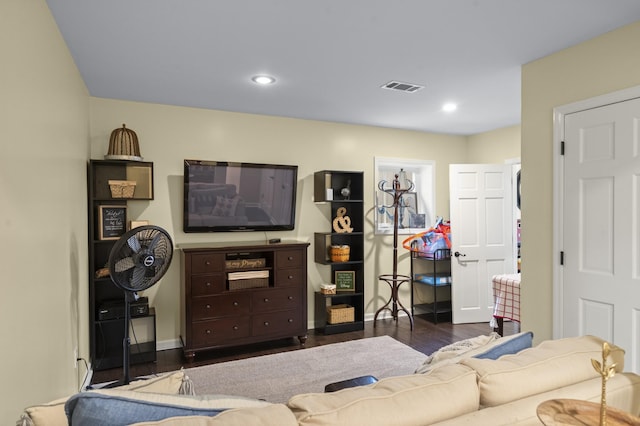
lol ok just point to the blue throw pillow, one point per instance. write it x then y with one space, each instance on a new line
118 408
510 345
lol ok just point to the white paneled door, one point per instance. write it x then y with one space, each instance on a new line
481 209
601 226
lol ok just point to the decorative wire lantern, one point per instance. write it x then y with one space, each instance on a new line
123 145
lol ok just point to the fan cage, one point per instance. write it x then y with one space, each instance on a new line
140 258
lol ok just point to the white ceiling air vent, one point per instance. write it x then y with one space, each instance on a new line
402 87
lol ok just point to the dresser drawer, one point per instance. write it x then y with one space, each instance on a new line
220 306
283 322
289 259
294 276
207 262
220 331
276 299
204 285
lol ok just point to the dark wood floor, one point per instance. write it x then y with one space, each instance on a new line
426 337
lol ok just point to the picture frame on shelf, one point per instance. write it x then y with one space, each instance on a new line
112 221
345 281
137 223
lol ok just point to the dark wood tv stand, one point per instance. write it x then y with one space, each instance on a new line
222 308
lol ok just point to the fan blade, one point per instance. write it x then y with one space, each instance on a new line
138 276
124 264
156 239
134 243
158 261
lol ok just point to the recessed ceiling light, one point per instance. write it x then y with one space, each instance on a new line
449 107
263 79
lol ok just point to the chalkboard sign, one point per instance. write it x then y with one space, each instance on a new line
112 222
345 281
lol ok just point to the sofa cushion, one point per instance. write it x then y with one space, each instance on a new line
453 353
52 413
622 392
417 399
550 365
506 346
173 383
270 415
111 407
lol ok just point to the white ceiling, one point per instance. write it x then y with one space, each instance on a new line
330 57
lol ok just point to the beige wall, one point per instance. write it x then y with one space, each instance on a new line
170 134
43 225
605 64
494 147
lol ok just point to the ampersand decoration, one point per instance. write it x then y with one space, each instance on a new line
342 222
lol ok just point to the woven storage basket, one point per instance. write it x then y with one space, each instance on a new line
328 288
337 314
122 188
339 253
248 283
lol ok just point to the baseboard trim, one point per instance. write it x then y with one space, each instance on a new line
164 345
383 315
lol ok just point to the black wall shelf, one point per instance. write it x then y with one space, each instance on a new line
328 190
106 335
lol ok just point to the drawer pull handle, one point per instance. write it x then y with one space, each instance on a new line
290 277
235 303
235 327
208 331
208 284
266 300
266 323
290 258
290 297
207 263
208 306
290 320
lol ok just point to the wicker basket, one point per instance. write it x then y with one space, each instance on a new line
337 314
339 253
328 288
248 283
122 188
123 145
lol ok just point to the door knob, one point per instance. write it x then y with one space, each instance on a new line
458 254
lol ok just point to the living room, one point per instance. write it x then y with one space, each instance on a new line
53 127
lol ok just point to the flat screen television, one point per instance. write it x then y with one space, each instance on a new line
227 196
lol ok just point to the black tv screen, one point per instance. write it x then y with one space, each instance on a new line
226 196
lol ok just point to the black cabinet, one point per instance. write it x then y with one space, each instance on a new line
433 271
341 193
107 213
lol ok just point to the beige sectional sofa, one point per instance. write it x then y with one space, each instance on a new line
460 391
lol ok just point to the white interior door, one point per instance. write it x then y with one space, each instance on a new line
601 223
481 210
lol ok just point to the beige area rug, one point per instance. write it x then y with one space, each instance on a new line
277 377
